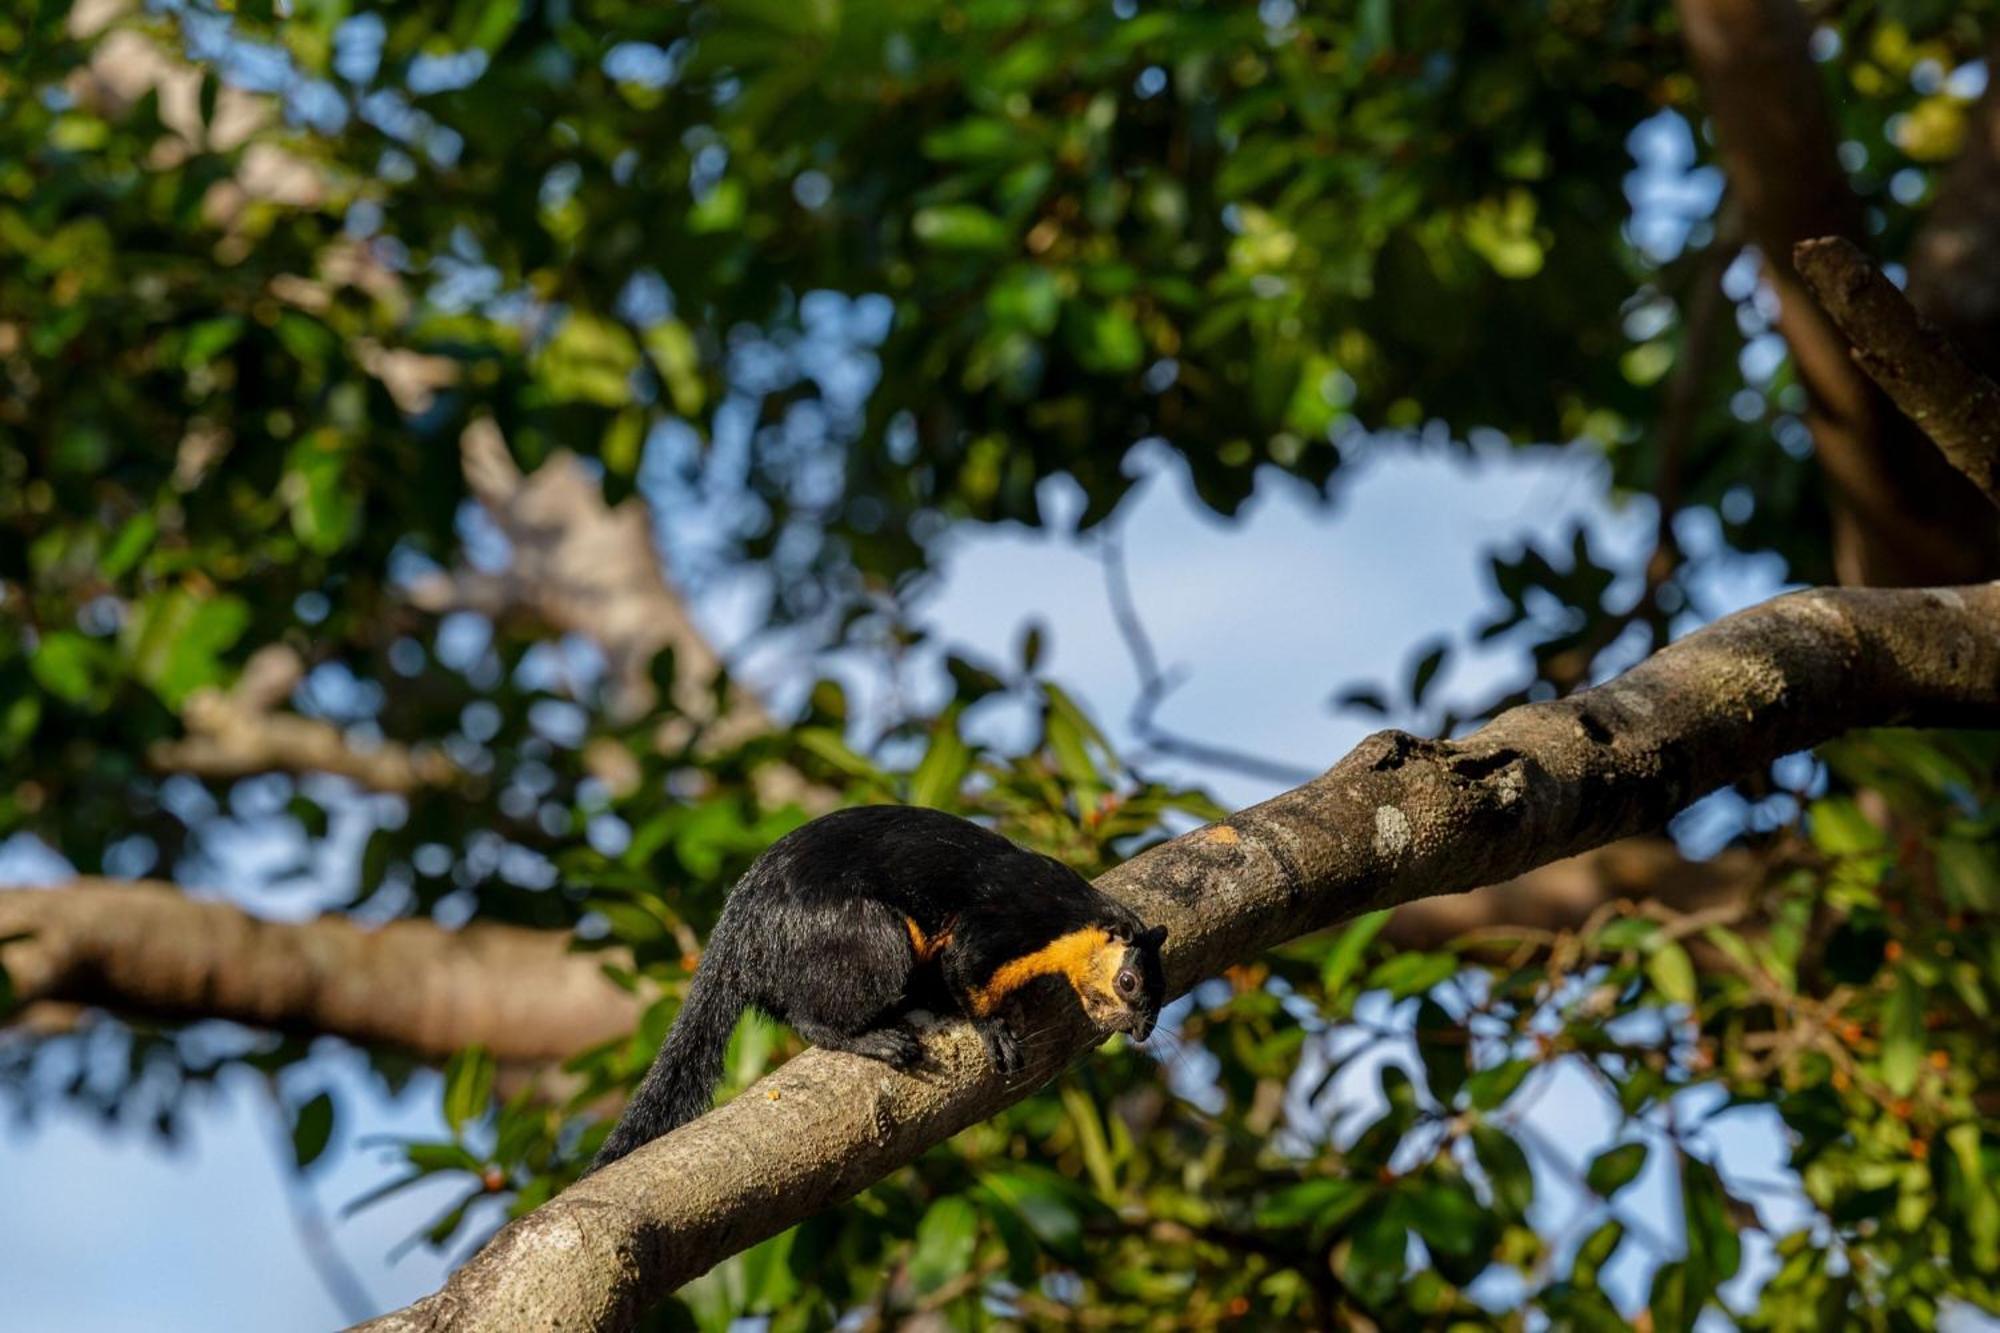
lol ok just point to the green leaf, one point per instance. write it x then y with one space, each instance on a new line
434 1157
485 26
312 1129
964 227
825 744
1426 671
210 338
1349 948
1490 1088
768 1280
1903 1035
73 667
670 345
133 541
720 210
175 640
590 359
1320 1204
1672 974
1969 873
1712 1241
945 1241
1070 737
974 138
1090 1139
1033 640
1024 1252
1627 932
942 771
1979 1198
1615 1168
468 1086
1448 1218
1050 1204
1840 829
1411 973
1364 697
1377 1257
1506 1168
1026 297
1106 340
325 504
1441 1045
1673 1306
1595 1251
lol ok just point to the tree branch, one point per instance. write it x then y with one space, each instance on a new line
581 565
1399 819
243 730
146 948
1923 371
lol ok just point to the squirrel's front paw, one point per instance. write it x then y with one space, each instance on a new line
892 1046
1003 1048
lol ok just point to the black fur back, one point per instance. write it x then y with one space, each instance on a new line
821 933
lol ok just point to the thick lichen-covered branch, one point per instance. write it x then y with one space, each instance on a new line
1400 818
149 949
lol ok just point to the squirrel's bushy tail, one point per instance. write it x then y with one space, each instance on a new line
682 1081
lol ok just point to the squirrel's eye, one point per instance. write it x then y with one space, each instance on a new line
1128 983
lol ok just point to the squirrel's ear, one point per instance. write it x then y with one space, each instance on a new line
1118 930
1154 938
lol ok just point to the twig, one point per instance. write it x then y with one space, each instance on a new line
1155 685
342 1283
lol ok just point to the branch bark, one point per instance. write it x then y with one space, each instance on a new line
1923 371
146 948
1901 515
1399 819
244 730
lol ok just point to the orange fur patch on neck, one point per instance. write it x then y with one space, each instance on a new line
1084 958
927 946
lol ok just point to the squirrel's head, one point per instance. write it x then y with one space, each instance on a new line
1123 987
